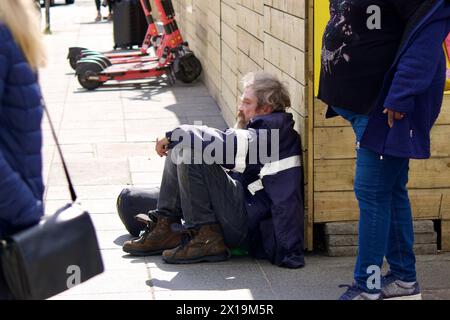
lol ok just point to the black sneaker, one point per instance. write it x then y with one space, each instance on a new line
355 293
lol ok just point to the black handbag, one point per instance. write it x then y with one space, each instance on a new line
54 255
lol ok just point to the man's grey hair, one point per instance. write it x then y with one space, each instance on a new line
268 90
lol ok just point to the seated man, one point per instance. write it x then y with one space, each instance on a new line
227 188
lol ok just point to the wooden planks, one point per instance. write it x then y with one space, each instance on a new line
338 206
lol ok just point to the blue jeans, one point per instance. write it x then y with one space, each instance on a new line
385 224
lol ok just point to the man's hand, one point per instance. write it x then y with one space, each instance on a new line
392 116
162 146
240 121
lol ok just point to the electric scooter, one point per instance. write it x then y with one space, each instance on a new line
173 58
151 39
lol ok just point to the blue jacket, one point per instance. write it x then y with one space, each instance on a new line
413 85
273 186
21 184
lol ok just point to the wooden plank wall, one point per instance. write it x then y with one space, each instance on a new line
233 37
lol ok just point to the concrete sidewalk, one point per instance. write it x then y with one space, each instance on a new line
108 138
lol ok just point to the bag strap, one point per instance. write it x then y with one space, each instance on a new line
73 195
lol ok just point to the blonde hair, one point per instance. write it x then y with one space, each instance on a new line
268 90
22 19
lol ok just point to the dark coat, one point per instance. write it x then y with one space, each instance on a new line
413 85
21 183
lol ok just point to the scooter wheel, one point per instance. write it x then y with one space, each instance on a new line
188 68
87 69
74 55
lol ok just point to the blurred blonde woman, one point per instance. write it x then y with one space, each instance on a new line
21 183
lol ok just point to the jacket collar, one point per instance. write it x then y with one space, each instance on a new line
273 120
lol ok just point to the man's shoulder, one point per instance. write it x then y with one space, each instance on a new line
275 120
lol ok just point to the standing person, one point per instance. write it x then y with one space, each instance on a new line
21 183
258 206
383 70
105 3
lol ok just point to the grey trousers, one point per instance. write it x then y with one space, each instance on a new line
204 194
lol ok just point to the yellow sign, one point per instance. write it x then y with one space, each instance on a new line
321 17
447 55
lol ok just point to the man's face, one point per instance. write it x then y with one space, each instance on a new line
249 105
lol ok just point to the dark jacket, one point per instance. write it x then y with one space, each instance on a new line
413 85
21 184
274 188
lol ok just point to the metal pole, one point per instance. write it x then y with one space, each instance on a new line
47 17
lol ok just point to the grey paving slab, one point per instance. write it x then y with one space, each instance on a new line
146 164
117 260
313 282
103 206
74 157
94 135
159 115
434 274
85 192
108 222
151 124
124 150
212 122
92 172
112 282
146 185
93 206
157 262
209 294
146 177
112 239
320 278
110 125
82 96
93 112
143 295
78 148
209 278
436 294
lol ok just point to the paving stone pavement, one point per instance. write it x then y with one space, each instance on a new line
108 138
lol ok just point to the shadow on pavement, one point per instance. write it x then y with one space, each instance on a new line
121 239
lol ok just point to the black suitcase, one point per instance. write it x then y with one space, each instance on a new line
134 201
129 24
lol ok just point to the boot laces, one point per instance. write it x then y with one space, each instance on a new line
150 225
187 234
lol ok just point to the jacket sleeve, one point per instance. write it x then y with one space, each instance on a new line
229 148
18 206
417 67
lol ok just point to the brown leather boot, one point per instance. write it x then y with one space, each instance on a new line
206 244
155 239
